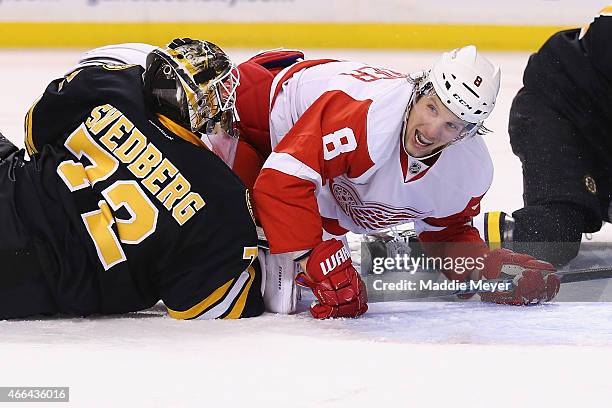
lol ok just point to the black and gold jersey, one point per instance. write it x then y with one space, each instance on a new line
128 209
573 70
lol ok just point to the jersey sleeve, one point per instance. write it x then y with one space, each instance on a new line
67 100
452 236
330 139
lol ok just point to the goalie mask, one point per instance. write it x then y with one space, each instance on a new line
193 83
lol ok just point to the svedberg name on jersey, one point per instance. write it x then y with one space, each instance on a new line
145 161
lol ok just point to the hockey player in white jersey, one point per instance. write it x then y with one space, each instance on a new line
360 148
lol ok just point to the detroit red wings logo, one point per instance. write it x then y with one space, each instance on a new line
370 215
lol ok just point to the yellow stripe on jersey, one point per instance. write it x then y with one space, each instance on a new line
29 142
493 229
205 304
239 306
73 74
118 67
606 11
181 131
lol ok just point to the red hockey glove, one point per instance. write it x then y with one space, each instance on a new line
534 280
334 281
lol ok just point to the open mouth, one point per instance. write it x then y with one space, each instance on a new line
421 140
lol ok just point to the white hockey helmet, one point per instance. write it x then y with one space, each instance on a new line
467 83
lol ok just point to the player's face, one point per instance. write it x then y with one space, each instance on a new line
431 126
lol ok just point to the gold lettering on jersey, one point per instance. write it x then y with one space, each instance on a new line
132 147
174 191
249 253
101 117
120 128
81 144
96 115
143 213
99 226
160 174
145 161
187 207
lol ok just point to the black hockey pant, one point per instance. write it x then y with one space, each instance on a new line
23 288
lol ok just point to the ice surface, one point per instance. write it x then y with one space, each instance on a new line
399 354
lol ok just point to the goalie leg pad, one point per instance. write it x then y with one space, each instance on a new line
280 292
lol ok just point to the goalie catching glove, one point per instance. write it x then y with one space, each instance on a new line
534 281
334 281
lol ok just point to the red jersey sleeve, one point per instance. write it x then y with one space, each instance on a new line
453 236
329 139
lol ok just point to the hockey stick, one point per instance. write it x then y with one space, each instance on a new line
587 274
569 276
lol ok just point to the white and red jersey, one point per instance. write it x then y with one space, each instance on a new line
338 162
